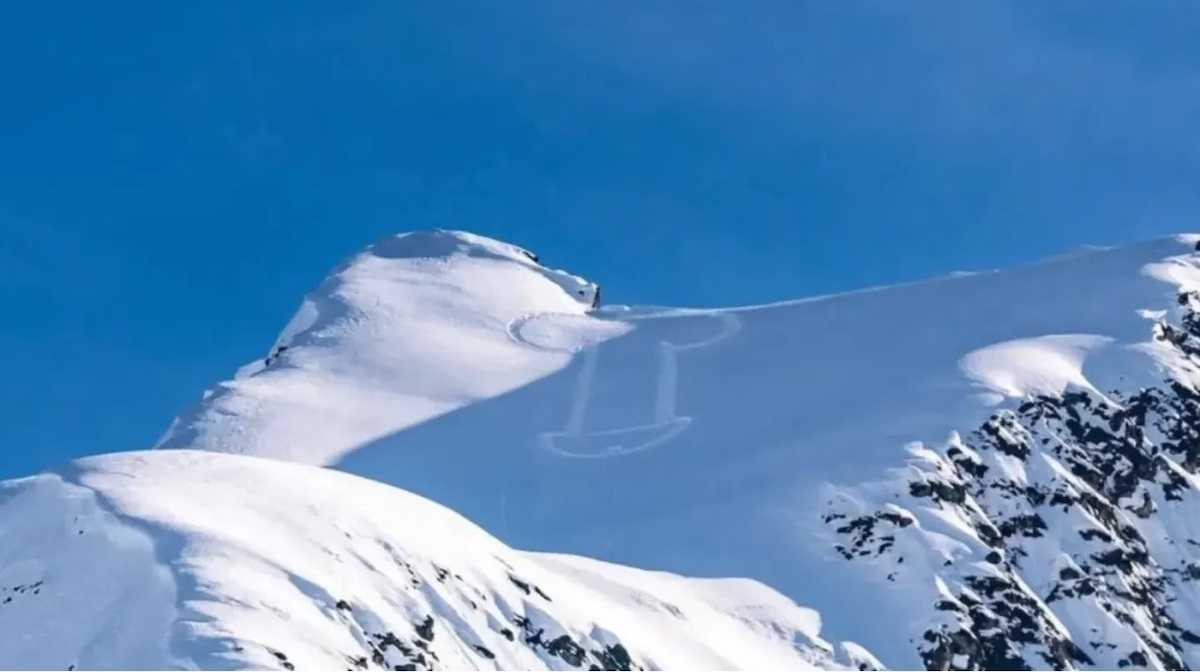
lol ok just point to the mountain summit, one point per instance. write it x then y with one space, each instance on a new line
411 328
989 470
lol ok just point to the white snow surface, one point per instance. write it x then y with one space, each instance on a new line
698 442
200 560
381 346
1029 366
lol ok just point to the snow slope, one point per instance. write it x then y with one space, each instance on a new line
411 328
198 560
826 447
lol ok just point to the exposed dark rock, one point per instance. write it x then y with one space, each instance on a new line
283 660
425 629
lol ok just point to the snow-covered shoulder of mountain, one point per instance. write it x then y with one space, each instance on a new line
414 326
188 559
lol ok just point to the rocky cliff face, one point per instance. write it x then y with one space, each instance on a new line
1064 532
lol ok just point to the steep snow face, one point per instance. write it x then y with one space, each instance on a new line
199 560
411 328
762 441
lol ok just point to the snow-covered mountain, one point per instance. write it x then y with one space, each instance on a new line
994 469
198 560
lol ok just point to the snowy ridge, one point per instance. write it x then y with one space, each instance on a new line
186 560
376 348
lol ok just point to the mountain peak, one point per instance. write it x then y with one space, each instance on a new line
446 245
440 243
380 346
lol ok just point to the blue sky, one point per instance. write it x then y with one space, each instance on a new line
174 176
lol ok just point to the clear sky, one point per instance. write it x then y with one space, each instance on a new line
175 176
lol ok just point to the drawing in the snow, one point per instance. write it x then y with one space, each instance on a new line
658 423
984 471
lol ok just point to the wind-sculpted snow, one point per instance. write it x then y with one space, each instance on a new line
198 560
768 441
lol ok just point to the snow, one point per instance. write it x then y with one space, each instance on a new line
1176 270
201 560
563 332
462 370
380 347
77 584
1029 366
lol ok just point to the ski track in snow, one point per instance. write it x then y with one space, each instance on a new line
563 333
